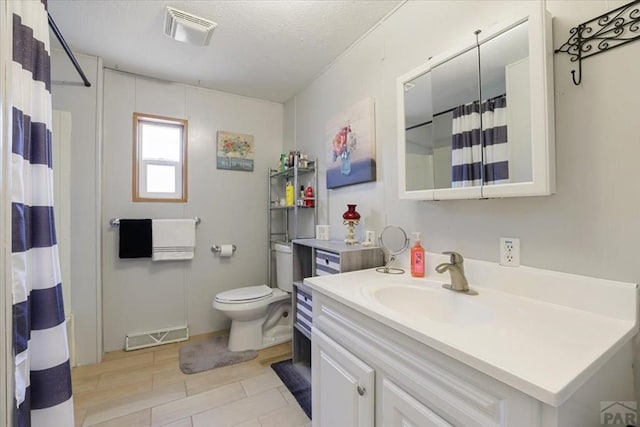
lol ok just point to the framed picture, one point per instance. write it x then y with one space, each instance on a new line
351 146
235 151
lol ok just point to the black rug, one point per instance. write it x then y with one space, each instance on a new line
296 382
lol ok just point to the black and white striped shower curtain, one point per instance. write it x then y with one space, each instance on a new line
42 373
496 148
466 154
474 159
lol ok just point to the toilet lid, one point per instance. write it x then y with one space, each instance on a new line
249 293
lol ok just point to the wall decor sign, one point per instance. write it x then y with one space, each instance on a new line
235 151
352 143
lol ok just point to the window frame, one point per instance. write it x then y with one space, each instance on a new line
139 164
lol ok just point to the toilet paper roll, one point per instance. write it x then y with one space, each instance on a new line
226 250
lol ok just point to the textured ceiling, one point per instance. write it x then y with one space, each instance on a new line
263 49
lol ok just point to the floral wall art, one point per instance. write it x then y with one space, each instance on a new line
351 142
235 151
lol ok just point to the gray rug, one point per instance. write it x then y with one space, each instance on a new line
209 354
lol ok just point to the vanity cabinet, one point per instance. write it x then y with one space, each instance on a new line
344 393
477 121
344 390
362 369
524 352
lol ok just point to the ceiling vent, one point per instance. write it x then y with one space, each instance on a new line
187 28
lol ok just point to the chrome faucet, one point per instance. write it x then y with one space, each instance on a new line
456 270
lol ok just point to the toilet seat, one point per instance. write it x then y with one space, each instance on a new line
244 295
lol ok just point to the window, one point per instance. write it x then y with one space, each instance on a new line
160 159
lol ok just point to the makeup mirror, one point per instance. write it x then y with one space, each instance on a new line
393 240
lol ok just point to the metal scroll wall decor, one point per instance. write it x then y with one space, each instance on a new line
612 29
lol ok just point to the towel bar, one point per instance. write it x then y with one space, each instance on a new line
115 222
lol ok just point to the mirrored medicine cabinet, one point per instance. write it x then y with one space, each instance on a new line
477 122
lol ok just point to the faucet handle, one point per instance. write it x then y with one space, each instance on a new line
456 258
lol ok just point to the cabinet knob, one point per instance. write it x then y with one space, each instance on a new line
361 390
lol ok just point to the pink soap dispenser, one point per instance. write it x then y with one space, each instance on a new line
417 257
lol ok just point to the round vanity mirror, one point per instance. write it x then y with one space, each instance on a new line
393 241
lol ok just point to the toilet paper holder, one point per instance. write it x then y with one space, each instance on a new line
218 248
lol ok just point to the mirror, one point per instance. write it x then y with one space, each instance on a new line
420 172
456 91
468 121
506 123
393 240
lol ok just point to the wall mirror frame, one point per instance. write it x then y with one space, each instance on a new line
430 171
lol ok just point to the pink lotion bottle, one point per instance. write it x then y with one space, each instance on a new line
417 257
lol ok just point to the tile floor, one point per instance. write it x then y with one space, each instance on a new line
146 388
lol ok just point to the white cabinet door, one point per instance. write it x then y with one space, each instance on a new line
342 384
399 409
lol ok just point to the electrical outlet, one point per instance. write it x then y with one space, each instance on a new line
509 251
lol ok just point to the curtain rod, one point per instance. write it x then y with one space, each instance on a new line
449 111
67 49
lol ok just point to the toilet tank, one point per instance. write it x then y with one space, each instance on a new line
284 266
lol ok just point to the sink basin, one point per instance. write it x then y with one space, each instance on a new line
435 304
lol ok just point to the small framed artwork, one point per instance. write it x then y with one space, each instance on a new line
235 151
351 146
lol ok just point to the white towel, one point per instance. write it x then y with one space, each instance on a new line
173 239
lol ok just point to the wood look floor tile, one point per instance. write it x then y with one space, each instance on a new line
91 398
221 376
78 415
123 379
137 419
241 410
287 395
171 353
185 422
250 423
139 373
146 387
260 383
114 365
274 354
134 403
121 354
190 405
87 383
289 416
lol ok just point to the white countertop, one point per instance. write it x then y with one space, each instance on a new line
540 346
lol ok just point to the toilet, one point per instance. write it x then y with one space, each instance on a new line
260 315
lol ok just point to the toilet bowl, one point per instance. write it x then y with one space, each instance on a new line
260 315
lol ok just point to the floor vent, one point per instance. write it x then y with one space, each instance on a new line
157 337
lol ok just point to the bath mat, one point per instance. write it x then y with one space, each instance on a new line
209 354
296 382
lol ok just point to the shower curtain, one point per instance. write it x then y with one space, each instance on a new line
466 154
475 160
495 147
42 373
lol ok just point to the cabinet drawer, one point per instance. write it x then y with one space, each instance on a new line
327 263
401 409
303 310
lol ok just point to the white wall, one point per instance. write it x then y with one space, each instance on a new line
140 295
589 227
84 104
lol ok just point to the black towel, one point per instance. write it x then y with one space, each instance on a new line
135 238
